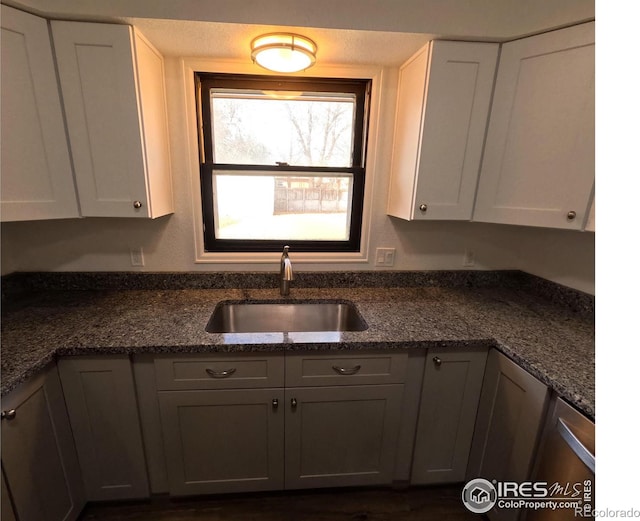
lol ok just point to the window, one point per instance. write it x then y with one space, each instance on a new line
282 162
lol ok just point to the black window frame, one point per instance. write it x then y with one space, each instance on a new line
362 90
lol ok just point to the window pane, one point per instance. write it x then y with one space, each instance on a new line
272 207
264 128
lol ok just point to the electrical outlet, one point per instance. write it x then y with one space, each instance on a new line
385 256
137 257
469 258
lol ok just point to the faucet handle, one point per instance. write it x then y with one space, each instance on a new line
285 249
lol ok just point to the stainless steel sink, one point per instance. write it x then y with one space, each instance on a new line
258 317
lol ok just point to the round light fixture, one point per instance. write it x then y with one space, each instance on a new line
283 52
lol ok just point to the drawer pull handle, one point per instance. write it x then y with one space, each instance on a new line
274 403
345 371
294 403
220 374
437 361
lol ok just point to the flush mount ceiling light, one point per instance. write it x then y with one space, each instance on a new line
283 52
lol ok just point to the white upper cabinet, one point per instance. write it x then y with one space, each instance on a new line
112 83
37 179
538 167
444 94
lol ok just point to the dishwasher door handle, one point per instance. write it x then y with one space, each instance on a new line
576 445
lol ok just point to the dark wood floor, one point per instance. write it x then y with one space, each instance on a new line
415 504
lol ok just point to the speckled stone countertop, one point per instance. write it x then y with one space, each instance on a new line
548 339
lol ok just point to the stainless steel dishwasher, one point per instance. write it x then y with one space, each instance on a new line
566 461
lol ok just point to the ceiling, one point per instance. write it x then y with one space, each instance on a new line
375 32
232 41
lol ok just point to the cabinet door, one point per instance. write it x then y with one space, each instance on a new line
341 435
37 179
103 410
38 455
223 441
538 166
448 406
510 414
6 508
591 219
444 94
100 82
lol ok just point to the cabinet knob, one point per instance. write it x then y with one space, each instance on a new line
294 403
571 215
8 415
274 403
437 361
137 204
423 207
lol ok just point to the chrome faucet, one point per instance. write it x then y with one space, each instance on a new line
286 272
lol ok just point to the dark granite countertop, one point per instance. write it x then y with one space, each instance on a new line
548 339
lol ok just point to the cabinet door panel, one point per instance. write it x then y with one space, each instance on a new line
452 384
459 90
539 155
99 87
38 456
341 435
37 179
103 411
223 441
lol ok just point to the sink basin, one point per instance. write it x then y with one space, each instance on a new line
259 317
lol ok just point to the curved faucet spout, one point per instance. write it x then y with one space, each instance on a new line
286 272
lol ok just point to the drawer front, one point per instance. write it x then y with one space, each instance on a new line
240 371
316 369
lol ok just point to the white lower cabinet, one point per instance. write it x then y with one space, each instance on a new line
448 406
101 400
337 436
223 440
343 418
248 421
40 474
243 422
510 415
267 435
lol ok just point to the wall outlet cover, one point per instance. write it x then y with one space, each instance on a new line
469 258
385 256
137 256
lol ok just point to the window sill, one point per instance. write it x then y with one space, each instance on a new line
274 257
